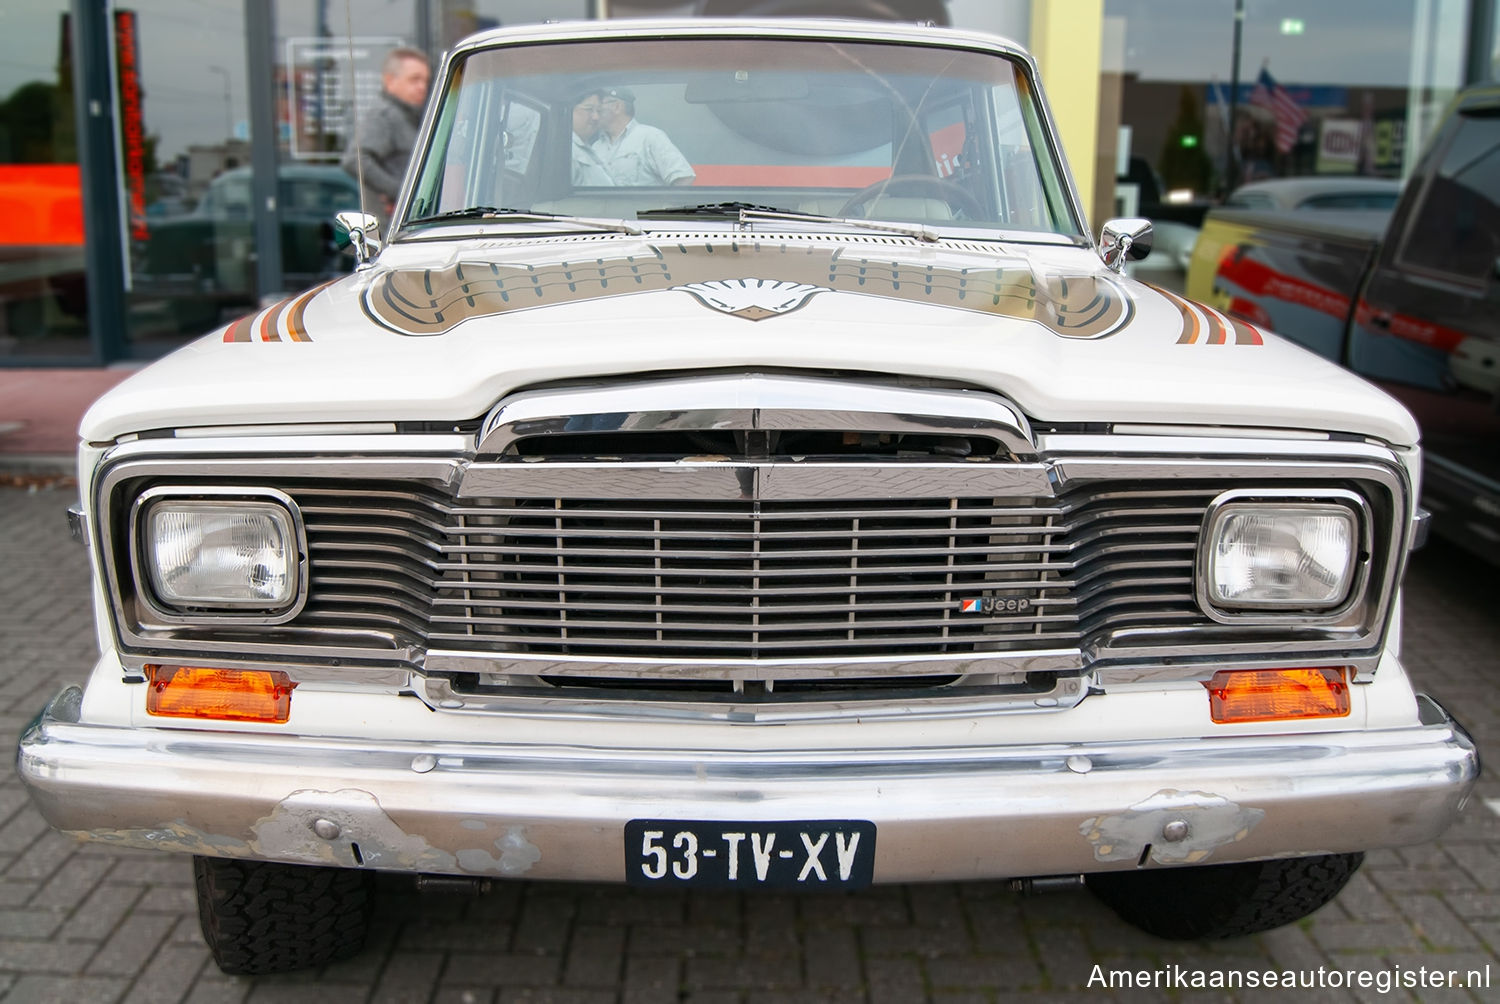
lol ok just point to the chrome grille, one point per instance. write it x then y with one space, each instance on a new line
744 580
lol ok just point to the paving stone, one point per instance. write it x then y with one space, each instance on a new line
408 977
71 883
685 941
131 944
1002 973
169 975
1434 923
595 956
65 990
747 974
650 980
554 995
464 995
894 981
831 959
468 969
101 912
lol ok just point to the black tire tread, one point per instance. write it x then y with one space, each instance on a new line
262 917
1210 902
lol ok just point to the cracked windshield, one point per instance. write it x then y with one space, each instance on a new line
657 129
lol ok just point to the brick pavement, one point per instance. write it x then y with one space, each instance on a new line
85 923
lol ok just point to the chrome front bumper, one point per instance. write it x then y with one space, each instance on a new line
559 812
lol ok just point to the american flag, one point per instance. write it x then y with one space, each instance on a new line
1289 115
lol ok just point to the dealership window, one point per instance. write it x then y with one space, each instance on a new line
1344 90
183 174
43 293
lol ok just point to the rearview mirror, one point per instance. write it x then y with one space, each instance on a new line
355 234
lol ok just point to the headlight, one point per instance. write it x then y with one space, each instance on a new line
236 555
1272 555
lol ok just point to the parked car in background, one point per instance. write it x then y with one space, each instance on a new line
1340 192
846 517
1409 298
203 261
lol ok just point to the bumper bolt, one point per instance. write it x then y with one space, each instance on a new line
1079 764
423 762
1175 832
327 829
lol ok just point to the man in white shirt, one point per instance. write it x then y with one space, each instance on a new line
635 153
588 170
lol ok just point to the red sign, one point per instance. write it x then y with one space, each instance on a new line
132 131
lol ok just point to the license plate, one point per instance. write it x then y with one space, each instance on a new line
818 853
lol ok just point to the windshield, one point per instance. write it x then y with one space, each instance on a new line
951 139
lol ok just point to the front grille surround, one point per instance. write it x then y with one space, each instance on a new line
403 574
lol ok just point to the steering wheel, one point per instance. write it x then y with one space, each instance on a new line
921 185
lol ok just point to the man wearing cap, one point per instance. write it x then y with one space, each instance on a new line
633 152
588 170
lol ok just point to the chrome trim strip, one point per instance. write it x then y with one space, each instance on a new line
78 524
1421 529
764 480
777 709
754 401
396 449
1061 660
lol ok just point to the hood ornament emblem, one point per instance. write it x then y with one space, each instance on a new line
752 299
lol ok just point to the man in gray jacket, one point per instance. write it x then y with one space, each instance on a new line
382 145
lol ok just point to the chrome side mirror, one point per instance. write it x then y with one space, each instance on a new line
1121 239
355 234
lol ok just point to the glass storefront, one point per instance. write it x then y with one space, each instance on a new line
43 293
1345 91
184 169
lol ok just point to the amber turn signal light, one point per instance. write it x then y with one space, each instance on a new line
1273 695
236 695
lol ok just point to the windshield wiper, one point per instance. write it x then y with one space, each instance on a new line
744 212
730 210
921 233
524 216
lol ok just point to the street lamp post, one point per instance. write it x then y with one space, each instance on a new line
228 108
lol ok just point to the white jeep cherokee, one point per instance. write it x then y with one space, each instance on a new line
839 517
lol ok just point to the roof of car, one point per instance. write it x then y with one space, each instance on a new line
1289 192
741 27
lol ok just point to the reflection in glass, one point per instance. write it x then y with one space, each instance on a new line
43 294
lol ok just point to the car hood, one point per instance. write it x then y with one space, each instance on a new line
439 331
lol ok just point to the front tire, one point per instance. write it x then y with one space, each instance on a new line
1224 901
259 917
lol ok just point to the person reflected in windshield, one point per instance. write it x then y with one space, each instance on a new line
588 169
635 153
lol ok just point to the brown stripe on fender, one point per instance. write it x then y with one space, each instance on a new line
1246 334
1191 326
239 331
269 319
295 327
434 301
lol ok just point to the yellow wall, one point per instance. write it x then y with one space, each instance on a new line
1066 37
